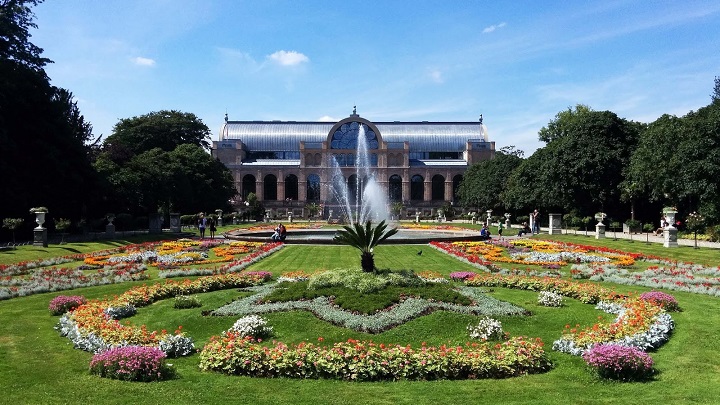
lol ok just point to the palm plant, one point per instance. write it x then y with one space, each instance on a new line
365 239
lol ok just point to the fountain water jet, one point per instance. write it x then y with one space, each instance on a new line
368 202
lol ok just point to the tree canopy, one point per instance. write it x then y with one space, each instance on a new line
484 182
175 174
166 129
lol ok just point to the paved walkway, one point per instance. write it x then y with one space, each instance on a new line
641 237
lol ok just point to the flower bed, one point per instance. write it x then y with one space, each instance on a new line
619 362
131 363
666 274
407 310
42 280
92 329
367 361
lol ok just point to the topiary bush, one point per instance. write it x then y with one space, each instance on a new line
619 362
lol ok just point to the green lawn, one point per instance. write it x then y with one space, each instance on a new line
37 366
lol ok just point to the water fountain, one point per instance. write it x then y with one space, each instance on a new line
368 201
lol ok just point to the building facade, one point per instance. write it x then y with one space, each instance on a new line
289 164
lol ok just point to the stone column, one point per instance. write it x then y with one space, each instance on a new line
555 228
219 215
175 222
155 223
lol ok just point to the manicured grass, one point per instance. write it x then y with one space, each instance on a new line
37 366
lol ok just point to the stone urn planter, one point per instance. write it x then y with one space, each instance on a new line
39 233
39 216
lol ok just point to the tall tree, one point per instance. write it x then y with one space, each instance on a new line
176 174
43 162
581 165
162 129
16 19
484 182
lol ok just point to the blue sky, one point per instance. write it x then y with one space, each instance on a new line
517 62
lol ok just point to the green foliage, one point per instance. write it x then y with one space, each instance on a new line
186 302
484 182
365 239
366 302
579 168
164 129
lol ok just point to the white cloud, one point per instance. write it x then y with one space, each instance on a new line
140 61
327 118
436 76
288 58
493 27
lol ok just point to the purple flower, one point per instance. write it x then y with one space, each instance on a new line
462 275
619 362
131 363
64 303
664 300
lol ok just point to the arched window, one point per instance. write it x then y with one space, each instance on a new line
309 160
318 159
395 188
248 186
291 187
346 136
438 188
417 188
456 185
313 187
352 186
338 189
270 188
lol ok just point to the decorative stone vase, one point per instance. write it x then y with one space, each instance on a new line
670 215
110 218
40 220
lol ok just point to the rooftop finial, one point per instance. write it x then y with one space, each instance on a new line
226 117
354 110
481 118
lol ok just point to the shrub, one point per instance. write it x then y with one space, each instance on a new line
487 329
185 302
550 299
619 362
664 300
121 312
131 363
64 303
251 325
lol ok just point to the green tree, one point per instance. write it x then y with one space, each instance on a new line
365 239
162 129
16 20
41 155
484 182
12 224
677 162
581 165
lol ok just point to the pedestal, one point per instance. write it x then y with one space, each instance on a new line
555 225
155 223
507 224
600 231
175 222
670 235
40 237
110 231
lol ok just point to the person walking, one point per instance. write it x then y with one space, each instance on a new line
212 228
500 229
202 223
536 223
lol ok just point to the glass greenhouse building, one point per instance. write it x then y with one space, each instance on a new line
289 164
